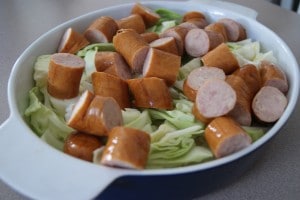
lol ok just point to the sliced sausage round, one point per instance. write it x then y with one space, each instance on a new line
215 98
269 104
198 41
197 78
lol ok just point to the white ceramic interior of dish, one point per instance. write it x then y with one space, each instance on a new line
39 171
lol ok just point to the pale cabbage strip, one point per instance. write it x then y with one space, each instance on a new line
248 52
45 122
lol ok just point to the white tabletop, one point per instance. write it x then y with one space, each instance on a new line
277 173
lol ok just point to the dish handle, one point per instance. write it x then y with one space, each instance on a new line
248 12
39 171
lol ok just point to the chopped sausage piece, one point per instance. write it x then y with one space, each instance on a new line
194 23
162 64
111 86
221 57
235 31
126 148
197 78
179 34
217 27
192 15
95 114
198 41
150 18
132 47
167 44
269 104
224 136
134 22
149 36
101 30
150 93
82 145
241 112
215 98
112 63
102 115
78 112
250 74
272 75
71 42
65 71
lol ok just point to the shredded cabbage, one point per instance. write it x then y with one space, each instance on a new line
139 120
45 121
254 132
41 67
96 46
197 154
248 52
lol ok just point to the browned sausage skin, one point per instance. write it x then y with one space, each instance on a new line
272 75
150 93
102 115
250 74
112 63
193 15
167 44
132 47
221 57
224 136
150 18
71 42
75 121
241 112
111 86
235 31
101 30
126 148
194 23
162 64
65 71
82 145
217 27
134 22
179 34
150 36
95 114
